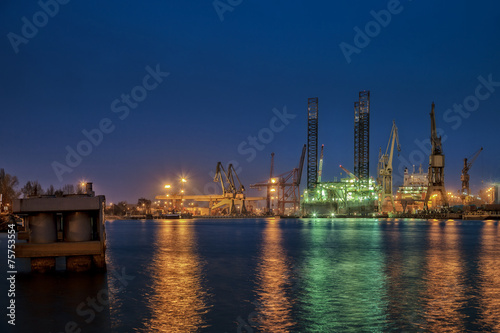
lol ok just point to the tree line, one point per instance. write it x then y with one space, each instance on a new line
9 189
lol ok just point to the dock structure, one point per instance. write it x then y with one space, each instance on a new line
71 226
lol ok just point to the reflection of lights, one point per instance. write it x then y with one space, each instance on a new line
177 300
273 190
440 290
273 273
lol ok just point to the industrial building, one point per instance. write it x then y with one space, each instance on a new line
412 192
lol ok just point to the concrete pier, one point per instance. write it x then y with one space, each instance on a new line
70 226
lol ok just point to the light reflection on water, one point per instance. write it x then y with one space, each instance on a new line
295 275
444 276
489 284
177 301
274 305
404 261
343 286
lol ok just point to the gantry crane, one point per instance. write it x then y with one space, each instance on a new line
465 176
286 185
289 184
436 165
384 177
231 190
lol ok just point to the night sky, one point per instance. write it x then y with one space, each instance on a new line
205 79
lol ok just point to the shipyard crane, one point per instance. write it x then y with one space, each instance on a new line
289 183
349 173
286 185
320 168
465 176
385 167
436 165
231 190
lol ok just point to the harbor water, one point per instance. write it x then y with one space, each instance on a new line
273 275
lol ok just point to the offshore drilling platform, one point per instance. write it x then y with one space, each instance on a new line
355 194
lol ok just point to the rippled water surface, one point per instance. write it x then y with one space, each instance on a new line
267 275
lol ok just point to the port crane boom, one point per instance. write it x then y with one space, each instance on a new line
435 176
465 175
349 172
231 190
385 168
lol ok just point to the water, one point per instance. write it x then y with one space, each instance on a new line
266 275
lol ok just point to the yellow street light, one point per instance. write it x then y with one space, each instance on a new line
184 180
167 186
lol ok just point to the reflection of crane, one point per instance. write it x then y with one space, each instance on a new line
320 168
465 176
436 165
385 168
348 172
230 189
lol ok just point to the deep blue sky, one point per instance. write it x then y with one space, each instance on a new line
225 79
